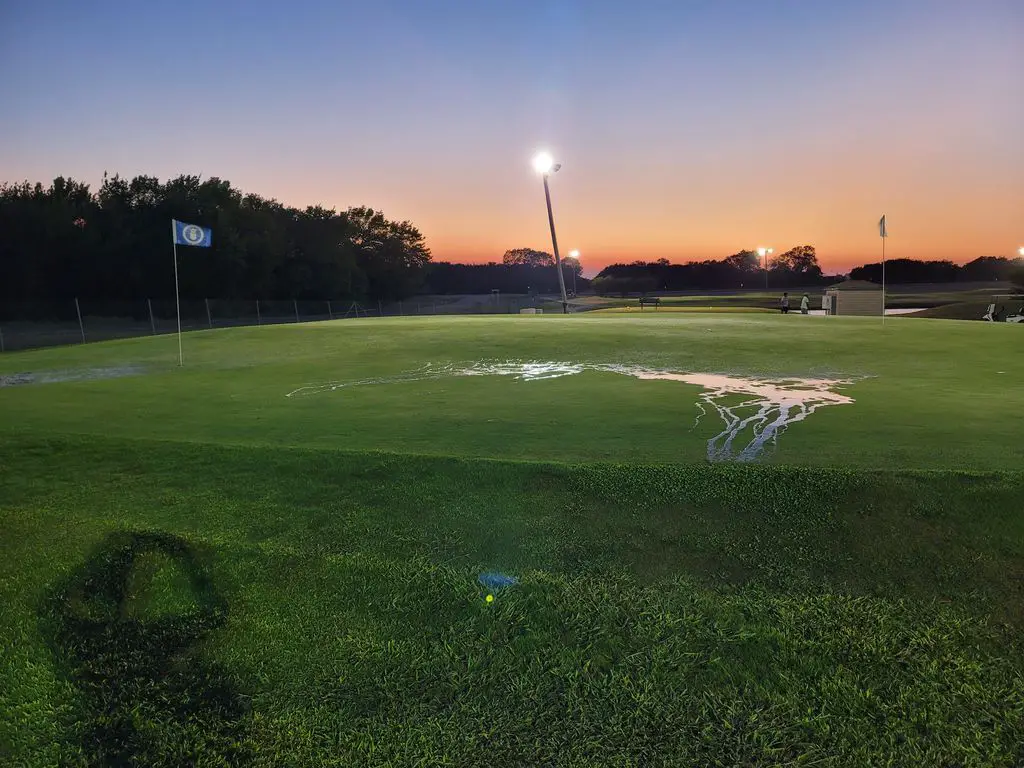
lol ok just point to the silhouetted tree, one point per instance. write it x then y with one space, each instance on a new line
65 241
528 257
987 269
744 262
796 267
907 271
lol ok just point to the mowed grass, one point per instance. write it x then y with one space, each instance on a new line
196 570
929 394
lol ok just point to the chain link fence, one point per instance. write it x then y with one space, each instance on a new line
31 324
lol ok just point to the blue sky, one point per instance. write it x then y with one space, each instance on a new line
687 129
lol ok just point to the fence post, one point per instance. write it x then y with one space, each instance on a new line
380 309
434 307
330 315
152 322
401 308
2 340
81 326
258 320
209 317
295 303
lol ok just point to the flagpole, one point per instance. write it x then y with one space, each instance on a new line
883 279
177 299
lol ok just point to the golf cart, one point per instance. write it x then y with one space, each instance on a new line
1001 309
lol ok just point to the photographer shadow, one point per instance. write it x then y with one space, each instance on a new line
127 628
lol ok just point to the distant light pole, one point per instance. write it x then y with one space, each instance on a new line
545 165
764 253
575 256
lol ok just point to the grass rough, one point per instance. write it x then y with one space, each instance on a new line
197 570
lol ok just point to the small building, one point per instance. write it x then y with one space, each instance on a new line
853 297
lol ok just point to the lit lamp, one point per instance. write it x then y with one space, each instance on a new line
545 165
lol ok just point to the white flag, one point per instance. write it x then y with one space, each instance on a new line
881 228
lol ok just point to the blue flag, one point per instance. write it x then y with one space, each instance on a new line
191 234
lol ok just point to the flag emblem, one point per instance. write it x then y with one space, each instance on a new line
192 234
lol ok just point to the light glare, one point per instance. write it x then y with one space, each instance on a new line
543 162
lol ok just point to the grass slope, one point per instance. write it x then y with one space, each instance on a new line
973 310
173 603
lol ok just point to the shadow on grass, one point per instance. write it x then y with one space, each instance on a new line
127 628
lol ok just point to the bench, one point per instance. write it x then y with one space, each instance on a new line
650 301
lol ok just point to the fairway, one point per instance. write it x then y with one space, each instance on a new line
736 539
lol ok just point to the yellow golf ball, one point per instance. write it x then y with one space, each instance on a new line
490 598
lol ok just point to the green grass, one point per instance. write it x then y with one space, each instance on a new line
929 394
197 570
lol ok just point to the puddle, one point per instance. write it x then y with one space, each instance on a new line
754 411
61 376
774 405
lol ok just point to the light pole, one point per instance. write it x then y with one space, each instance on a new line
575 256
764 253
545 165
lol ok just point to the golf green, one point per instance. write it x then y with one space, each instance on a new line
736 540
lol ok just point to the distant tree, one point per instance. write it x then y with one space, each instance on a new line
985 269
608 285
797 266
393 255
622 286
528 257
744 262
908 271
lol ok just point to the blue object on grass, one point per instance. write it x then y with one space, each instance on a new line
495 581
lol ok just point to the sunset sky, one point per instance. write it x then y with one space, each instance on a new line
687 129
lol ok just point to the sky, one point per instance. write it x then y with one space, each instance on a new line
686 129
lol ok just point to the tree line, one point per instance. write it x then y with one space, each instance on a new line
796 268
522 270
66 241
983 269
